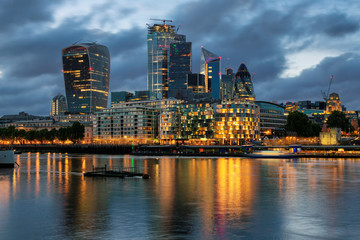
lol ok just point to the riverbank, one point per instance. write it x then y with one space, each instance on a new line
203 151
73 148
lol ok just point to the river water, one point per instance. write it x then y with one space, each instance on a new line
47 197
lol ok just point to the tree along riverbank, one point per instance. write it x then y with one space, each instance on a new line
72 148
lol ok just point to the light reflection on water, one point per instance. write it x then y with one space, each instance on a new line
185 198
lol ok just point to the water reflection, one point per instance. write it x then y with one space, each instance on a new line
191 198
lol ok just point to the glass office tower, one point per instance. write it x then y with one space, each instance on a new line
180 65
159 38
86 69
243 86
210 67
227 84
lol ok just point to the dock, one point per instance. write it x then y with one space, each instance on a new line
119 172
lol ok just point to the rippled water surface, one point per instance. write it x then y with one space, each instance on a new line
47 197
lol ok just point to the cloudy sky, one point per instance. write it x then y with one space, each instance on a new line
292 46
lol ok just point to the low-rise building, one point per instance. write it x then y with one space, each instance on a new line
330 137
272 119
130 122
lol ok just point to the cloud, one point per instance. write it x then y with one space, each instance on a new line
334 24
263 35
15 13
309 84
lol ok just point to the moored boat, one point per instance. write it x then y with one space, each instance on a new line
271 154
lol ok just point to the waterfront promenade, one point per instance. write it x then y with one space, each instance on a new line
186 150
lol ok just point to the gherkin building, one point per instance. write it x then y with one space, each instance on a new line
243 86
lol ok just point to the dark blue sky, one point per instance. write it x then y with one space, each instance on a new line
292 46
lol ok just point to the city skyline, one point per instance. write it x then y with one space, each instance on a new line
292 47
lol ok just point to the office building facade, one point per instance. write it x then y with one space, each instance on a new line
272 119
86 69
243 86
58 105
227 85
211 69
180 64
224 123
120 97
159 39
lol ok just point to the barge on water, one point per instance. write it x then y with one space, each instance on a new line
119 172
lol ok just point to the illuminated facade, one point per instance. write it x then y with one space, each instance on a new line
236 122
86 69
272 118
210 68
333 103
225 123
159 38
196 82
180 64
130 122
243 87
58 105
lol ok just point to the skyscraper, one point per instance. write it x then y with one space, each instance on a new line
180 64
58 105
227 84
210 67
86 69
243 87
159 38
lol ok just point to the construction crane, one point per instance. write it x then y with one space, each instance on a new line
162 20
326 94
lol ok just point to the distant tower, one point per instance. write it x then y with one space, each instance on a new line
58 105
210 68
159 38
86 69
243 87
333 103
180 64
227 84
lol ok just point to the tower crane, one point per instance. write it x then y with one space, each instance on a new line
162 20
326 94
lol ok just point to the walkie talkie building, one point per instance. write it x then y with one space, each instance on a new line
86 69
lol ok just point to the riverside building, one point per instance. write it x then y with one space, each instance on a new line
130 122
208 123
272 118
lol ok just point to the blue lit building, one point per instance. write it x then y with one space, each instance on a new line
210 68
180 64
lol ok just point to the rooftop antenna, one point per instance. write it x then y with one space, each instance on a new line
253 76
77 41
162 20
